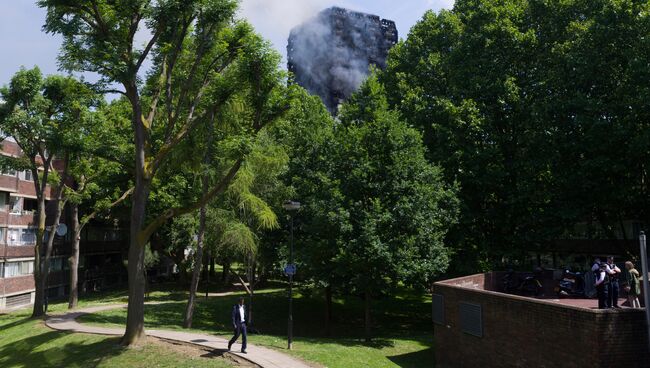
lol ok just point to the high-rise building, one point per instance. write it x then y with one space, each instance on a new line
331 54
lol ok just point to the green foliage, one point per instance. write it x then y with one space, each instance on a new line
375 212
536 109
395 210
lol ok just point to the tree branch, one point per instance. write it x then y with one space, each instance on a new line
178 211
248 290
147 49
92 215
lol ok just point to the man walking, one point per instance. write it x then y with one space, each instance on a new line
614 288
239 323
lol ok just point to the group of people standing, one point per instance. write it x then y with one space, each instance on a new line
610 278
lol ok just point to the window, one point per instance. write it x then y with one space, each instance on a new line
56 264
28 236
3 200
2 235
13 236
2 270
30 204
26 175
15 205
9 172
26 268
13 269
17 237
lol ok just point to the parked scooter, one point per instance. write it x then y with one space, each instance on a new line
571 284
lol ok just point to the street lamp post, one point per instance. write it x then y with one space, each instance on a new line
291 207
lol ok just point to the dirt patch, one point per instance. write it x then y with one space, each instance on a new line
192 350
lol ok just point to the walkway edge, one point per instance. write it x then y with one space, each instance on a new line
263 357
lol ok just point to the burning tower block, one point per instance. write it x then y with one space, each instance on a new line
331 54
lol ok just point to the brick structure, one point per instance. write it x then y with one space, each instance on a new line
331 54
101 248
477 327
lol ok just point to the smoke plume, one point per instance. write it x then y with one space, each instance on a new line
331 54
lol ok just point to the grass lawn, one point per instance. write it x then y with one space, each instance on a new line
403 330
26 342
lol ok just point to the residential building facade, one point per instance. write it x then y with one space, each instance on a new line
103 248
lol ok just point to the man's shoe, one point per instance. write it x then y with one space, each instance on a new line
244 352
617 307
229 346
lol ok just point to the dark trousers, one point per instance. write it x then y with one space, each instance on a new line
603 300
613 293
240 329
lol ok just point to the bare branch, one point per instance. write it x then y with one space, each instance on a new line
248 290
147 49
104 91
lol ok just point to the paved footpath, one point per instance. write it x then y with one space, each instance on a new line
264 357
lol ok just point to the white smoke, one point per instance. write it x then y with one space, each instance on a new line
274 19
331 53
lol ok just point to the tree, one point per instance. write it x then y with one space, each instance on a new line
396 208
201 56
43 115
376 212
528 106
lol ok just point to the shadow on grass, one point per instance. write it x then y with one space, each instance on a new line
25 352
377 343
269 311
414 360
15 323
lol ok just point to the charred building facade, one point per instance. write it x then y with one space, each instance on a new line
331 54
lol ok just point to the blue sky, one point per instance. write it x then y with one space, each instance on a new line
23 43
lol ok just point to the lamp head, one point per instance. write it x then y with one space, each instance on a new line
291 205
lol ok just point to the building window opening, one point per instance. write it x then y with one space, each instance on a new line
30 205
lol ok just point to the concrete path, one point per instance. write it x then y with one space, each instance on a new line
264 357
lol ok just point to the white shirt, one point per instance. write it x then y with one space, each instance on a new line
612 269
241 313
601 278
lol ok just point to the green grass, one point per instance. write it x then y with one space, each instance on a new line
26 342
403 331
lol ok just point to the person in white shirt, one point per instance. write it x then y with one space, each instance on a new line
239 319
613 289
602 286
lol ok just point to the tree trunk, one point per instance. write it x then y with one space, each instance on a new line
39 298
251 287
198 261
196 272
74 258
328 309
41 280
134 333
50 242
225 273
368 329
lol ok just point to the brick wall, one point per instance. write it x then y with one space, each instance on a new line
18 284
525 332
19 251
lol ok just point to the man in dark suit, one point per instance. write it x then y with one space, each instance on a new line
239 319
